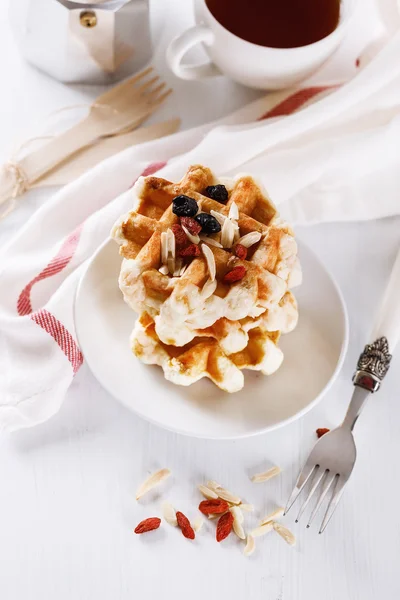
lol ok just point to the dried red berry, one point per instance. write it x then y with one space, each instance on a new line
148 525
191 225
184 524
236 274
213 507
191 250
240 251
181 239
322 431
224 526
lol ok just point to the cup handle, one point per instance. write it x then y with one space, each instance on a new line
181 44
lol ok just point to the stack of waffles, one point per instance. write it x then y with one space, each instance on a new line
208 308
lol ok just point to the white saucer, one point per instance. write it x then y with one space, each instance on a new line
314 354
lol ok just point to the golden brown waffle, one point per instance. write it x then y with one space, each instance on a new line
188 311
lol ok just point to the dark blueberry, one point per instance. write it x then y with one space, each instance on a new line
183 206
209 224
217 192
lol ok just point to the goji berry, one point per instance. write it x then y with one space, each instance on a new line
185 526
224 526
236 274
191 225
240 251
191 250
322 431
181 239
148 525
213 507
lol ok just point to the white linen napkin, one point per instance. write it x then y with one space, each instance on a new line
322 156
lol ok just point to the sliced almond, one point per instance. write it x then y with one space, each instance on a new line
193 238
266 475
183 269
211 241
262 530
227 234
237 522
164 270
276 514
207 492
233 211
152 481
219 216
169 514
171 243
284 533
247 507
228 496
198 523
164 247
250 546
209 256
250 238
208 288
213 485
238 529
213 516
237 513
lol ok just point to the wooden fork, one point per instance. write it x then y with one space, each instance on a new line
118 110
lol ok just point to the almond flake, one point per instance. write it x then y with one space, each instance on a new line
164 247
219 216
208 289
227 234
261 477
169 514
246 507
171 243
193 238
212 516
237 513
249 239
183 269
228 496
284 533
209 256
259 531
164 270
210 241
237 522
152 481
198 523
207 492
250 546
213 485
276 514
238 529
233 211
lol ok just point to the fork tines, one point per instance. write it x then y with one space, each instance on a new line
321 480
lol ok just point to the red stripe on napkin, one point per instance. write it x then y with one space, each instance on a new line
294 102
61 335
57 264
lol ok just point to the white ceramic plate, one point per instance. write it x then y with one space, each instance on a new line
314 353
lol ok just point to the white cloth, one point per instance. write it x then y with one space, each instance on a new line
335 159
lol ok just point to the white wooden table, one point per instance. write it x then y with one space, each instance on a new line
67 507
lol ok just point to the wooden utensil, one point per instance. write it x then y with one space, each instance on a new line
123 107
89 157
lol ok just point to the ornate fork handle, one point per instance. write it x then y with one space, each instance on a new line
373 364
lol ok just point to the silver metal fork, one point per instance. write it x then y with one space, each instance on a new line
332 459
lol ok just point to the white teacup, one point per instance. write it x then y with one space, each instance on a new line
247 63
